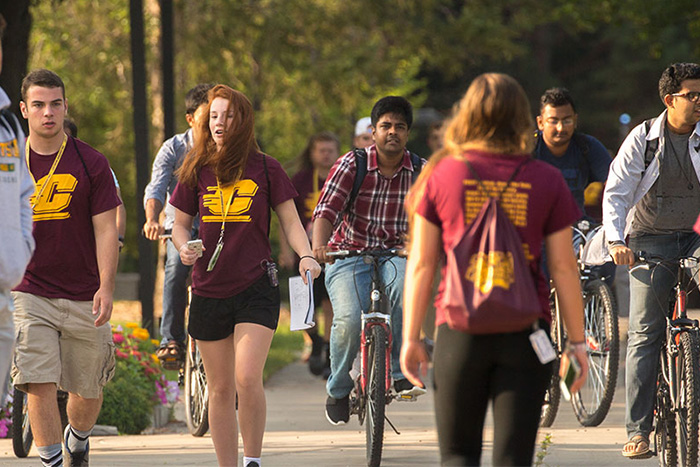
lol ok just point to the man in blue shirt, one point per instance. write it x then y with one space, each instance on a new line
155 197
582 159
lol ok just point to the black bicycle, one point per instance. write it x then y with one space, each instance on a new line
372 390
678 380
592 403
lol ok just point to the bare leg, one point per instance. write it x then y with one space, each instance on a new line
219 364
252 343
44 417
82 412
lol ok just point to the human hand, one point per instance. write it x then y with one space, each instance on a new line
414 361
102 306
152 229
188 256
308 263
321 254
580 354
622 255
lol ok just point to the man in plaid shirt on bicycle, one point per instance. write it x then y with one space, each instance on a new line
374 219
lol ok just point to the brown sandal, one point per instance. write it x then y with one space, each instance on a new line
641 448
171 354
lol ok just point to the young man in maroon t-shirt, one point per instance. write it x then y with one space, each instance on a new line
64 302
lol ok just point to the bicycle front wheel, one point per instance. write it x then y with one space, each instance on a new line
376 394
22 437
687 392
592 403
196 392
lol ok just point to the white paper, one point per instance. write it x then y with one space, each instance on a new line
301 303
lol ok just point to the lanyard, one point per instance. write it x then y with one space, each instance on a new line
37 197
224 212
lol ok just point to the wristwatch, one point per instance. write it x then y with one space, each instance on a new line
613 243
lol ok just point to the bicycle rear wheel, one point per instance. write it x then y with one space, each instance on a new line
687 393
553 394
22 437
592 403
196 392
376 394
665 427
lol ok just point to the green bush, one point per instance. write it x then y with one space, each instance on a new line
128 401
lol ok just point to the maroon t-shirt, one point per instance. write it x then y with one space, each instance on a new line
538 203
64 264
309 192
246 243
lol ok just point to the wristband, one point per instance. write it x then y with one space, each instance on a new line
308 256
574 346
613 243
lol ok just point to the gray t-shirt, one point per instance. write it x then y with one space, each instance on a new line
673 202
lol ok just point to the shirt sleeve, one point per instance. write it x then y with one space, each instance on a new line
336 191
281 187
427 206
161 173
185 199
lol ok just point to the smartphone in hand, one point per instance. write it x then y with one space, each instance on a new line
196 245
568 373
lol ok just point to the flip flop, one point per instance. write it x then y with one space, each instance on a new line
637 441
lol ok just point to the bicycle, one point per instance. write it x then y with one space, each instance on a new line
592 403
678 380
372 390
22 437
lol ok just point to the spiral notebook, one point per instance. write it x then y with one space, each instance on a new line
301 303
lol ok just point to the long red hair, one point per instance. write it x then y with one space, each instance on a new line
239 142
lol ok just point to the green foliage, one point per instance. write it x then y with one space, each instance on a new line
127 400
543 450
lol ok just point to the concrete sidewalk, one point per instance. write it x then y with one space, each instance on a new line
299 435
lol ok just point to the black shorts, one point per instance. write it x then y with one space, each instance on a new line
213 319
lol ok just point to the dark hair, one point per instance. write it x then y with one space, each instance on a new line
556 97
304 161
69 124
674 75
196 97
3 25
392 105
43 78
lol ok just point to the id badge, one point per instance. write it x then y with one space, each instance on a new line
215 256
542 346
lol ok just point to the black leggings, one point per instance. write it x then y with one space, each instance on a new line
470 370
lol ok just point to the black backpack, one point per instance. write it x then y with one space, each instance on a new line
361 164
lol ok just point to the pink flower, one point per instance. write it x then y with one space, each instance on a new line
118 338
121 354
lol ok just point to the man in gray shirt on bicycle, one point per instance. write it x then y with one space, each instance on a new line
373 219
653 196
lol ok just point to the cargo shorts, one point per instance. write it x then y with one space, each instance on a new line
56 341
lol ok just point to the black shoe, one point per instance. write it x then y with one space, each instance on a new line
405 389
316 360
338 410
75 459
252 464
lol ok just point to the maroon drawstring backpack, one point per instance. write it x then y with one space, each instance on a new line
489 287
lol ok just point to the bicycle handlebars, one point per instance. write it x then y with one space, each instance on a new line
340 254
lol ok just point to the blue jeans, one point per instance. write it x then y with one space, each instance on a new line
348 282
172 324
647 321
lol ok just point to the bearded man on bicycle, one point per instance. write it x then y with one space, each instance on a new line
373 219
653 196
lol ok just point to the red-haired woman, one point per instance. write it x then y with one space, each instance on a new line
491 130
235 297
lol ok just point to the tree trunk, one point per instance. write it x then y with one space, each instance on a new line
15 47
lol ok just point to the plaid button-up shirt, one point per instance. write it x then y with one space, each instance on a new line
377 218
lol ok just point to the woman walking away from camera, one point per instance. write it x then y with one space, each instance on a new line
486 155
235 296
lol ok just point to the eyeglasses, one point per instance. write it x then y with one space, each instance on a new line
692 96
568 121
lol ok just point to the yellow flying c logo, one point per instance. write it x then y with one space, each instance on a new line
55 198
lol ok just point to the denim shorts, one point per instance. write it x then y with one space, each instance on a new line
213 319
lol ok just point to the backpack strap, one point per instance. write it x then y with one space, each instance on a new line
361 170
651 145
82 161
269 205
